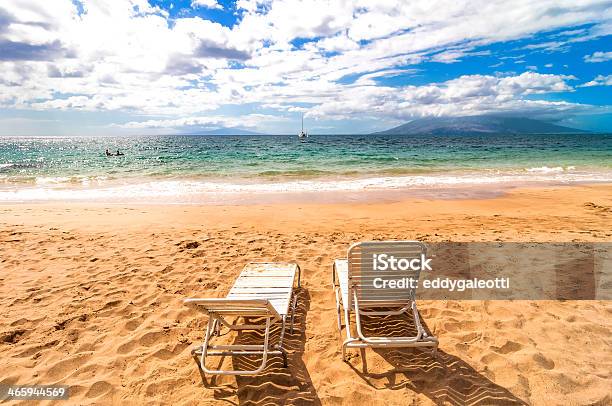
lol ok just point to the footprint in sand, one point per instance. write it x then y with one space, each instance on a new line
165 354
165 386
98 389
67 367
11 337
493 359
508 347
127 347
133 324
151 338
544 362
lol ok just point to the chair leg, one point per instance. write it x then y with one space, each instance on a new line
293 307
338 310
349 339
209 331
206 346
284 354
417 320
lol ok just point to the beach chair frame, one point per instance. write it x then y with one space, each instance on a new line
374 307
220 310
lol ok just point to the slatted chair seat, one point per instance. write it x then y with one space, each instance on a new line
272 282
263 289
356 294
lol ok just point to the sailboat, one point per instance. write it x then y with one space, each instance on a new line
302 135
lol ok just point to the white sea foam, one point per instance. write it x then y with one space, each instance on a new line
193 190
50 180
546 169
61 181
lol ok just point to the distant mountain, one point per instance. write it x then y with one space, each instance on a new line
227 131
478 124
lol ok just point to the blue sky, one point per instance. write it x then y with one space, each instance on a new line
163 67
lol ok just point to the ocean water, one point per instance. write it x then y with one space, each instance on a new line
186 168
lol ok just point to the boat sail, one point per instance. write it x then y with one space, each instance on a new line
302 134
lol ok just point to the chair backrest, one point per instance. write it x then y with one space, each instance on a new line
370 281
235 307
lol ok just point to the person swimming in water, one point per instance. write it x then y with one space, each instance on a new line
108 153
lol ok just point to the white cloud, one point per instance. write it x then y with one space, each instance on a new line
456 54
367 79
598 57
206 4
245 121
546 45
600 80
337 43
466 95
127 55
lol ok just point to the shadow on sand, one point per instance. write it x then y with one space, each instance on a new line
276 384
443 378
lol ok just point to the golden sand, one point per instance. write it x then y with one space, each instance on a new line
91 297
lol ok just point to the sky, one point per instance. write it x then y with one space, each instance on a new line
103 67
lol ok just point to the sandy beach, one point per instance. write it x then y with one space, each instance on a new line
91 297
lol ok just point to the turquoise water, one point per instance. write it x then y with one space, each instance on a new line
197 164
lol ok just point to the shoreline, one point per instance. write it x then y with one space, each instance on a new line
389 189
552 201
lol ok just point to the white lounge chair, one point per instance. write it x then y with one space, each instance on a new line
263 290
352 281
